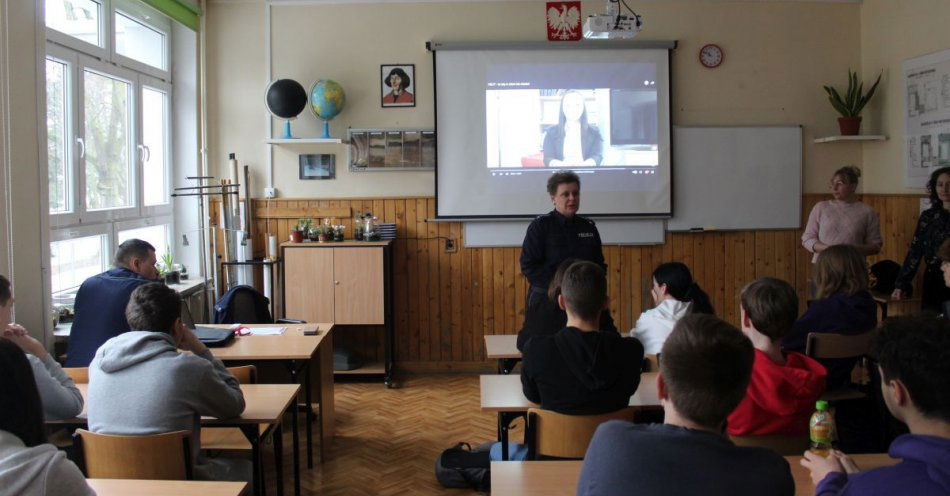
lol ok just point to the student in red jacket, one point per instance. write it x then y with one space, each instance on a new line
784 386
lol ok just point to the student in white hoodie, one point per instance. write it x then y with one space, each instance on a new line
29 466
61 399
674 295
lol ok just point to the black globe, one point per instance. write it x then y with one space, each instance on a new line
286 98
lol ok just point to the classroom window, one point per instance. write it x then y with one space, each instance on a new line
107 154
154 146
157 236
79 19
74 260
108 129
57 103
139 41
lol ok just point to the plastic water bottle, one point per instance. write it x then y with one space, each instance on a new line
821 429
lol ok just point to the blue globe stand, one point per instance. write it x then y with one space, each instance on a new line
287 134
326 130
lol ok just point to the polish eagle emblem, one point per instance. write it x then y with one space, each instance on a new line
564 21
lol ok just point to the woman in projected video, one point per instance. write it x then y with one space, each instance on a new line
573 141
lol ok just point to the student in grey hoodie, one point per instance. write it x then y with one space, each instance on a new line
29 466
140 383
61 399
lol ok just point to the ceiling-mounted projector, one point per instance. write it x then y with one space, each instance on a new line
613 24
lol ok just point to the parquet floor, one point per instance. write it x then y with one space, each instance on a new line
387 440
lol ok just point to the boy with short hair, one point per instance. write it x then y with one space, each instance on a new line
704 372
784 386
582 370
140 383
913 354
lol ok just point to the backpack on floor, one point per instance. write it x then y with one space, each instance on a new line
461 467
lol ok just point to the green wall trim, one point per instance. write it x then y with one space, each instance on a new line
182 11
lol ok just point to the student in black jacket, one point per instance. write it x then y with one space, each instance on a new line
581 370
544 317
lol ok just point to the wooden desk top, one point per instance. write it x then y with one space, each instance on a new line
502 346
124 487
504 393
264 404
291 345
559 478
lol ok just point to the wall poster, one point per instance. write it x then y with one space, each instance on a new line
926 116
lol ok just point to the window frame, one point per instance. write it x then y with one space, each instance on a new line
105 30
83 231
155 84
71 60
142 14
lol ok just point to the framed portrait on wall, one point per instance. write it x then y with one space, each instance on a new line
320 166
397 88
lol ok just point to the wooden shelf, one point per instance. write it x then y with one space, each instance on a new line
304 141
371 368
860 137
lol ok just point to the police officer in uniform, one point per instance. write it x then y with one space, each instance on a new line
557 235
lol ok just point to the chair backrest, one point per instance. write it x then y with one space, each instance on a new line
827 346
651 363
245 374
783 445
164 456
566 436
79 375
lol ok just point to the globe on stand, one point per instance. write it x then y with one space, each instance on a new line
286 99
327 100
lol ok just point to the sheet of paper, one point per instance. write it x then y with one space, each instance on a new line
267 331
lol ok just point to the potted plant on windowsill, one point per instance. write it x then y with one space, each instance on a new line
167 269
851 104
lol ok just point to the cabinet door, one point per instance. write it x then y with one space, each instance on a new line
308 284
358 278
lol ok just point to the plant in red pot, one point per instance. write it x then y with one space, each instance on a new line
851 104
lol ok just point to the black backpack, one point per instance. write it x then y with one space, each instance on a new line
461 467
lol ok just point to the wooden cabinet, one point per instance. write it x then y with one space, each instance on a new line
334 283
344 283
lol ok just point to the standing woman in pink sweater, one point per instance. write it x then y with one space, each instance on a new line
843 220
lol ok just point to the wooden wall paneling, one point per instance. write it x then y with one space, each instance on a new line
445 303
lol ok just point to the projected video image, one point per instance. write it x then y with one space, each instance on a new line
576 128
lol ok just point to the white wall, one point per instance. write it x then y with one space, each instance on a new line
777 57
27 264
892 32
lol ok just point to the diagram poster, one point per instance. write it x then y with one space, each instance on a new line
927 116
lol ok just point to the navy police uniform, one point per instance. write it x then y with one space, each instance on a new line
550 239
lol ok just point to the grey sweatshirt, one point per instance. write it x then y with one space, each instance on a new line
38 471
139 383
61 399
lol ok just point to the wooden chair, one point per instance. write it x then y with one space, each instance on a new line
164 456
651 363
231 438
79 375
557 435
824 346
783 445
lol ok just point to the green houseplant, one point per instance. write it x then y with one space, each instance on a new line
851 104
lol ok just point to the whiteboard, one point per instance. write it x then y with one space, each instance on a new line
734 178
612 232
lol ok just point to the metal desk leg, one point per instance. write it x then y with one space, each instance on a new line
296 437
504 420
252 434
309 415
278 437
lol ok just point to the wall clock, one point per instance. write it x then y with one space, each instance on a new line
710 55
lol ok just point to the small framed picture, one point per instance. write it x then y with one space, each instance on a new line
317 166
398 85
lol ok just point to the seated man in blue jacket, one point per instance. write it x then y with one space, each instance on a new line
101 300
